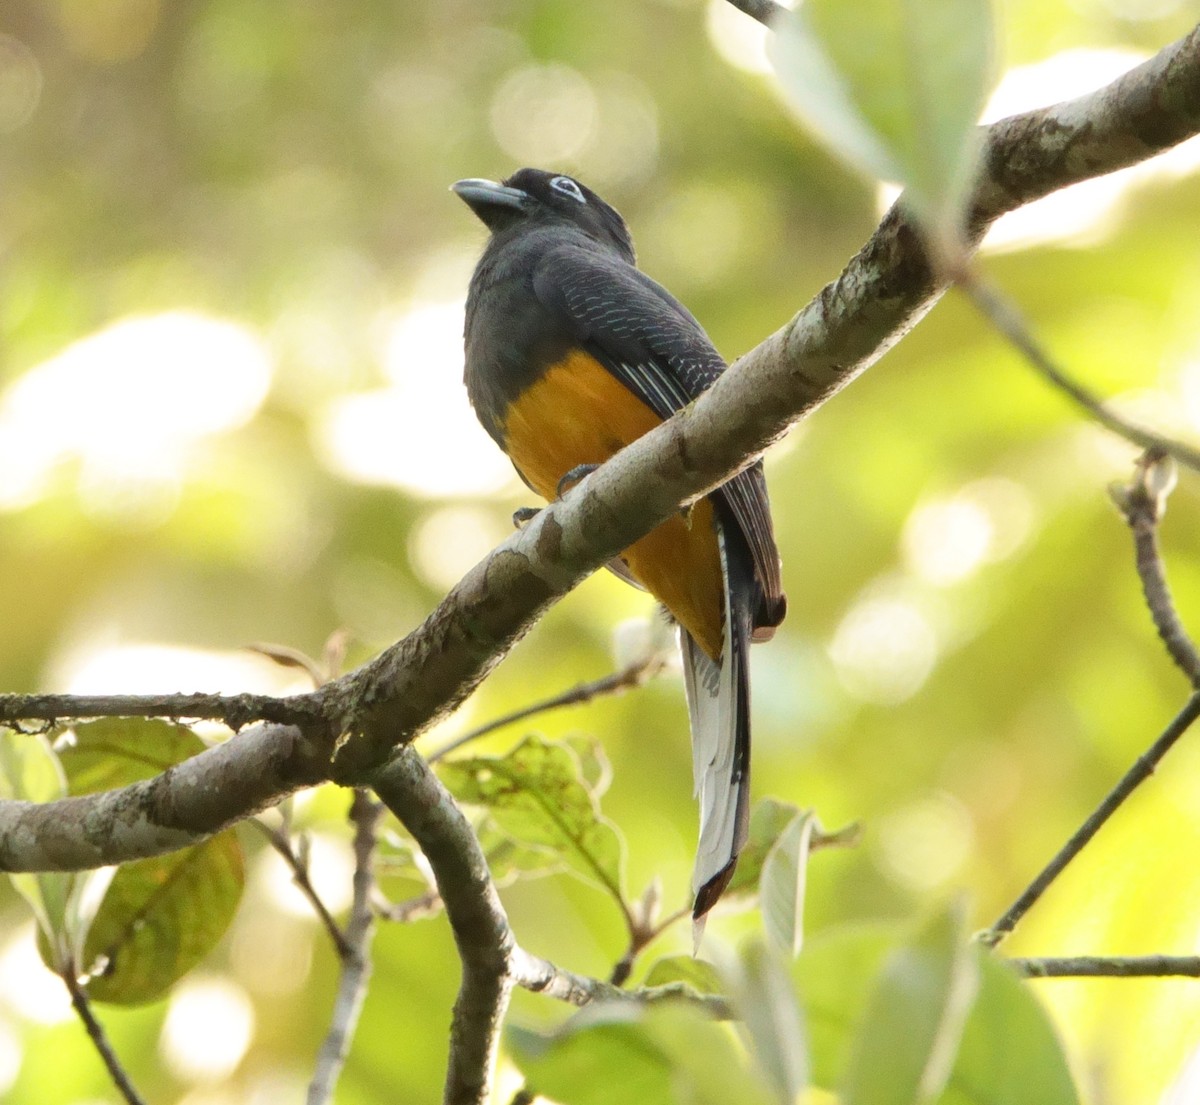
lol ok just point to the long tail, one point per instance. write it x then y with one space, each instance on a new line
719 704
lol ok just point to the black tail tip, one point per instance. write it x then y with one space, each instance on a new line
771 611
709 894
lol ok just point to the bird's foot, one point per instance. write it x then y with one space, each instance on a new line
524 515
571 478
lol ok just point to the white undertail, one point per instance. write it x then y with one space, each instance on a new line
718 702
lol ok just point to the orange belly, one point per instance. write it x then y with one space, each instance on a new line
579 413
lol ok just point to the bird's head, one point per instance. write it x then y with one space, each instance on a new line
537 197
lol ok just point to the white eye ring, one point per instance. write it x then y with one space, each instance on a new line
567 187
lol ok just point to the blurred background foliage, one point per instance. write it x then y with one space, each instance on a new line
231 411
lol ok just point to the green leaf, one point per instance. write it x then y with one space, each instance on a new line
510 859
767 820
665 1055
1030 1068
908 1040
29 769
114 752
696 973
594 765
782 883
31 772
596 1064
762 995
537 793
834 976
160 917
895 88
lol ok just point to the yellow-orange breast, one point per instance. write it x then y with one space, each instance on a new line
577 412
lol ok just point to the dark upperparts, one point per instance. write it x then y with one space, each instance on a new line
532 197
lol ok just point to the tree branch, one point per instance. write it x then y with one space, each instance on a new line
481 931
1092 966
1141 770
1142 504
530 972
411 909
1007 319
235 710
185 804
881 295
356 962
299 869
99 1038
633 675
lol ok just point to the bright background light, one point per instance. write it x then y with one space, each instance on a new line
27 986
419 433
1086 212
131 403
94 667
885 647
209 1026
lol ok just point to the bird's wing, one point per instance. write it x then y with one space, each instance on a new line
655 347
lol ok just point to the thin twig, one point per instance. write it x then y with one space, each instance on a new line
1141 770
1142 504
1007 319
637 673
412 909
640 938
1093 966
365 813
300 877
762 10
235 710
540 976
99 1038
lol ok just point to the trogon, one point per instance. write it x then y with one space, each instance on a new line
572 352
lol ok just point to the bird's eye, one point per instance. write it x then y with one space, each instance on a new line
568 187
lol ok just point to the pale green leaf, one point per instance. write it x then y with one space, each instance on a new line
665 1055
31 772
538 795
762 995
783 878
1010 1053
767 820
896 88
510 859
834 976
29 769
908 1040
160 916
691 971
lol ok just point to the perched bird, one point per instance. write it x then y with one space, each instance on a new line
572 353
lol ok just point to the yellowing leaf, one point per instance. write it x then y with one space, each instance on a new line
160 917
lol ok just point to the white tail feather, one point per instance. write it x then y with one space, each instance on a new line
715 694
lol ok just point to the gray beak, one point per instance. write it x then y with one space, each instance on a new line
490 200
